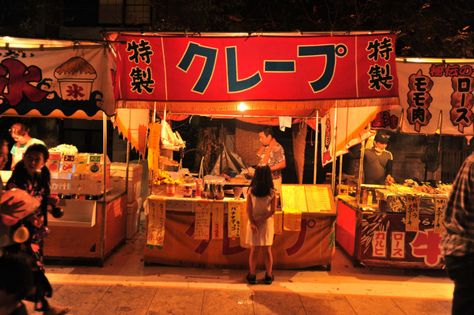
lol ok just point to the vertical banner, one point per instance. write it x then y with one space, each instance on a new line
326 139
217 212
412 216
234 209
430 88
440 204
156 222
154 146
202 220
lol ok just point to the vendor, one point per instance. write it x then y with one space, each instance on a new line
378 162
271 153
21 134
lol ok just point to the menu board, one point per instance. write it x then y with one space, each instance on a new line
307 199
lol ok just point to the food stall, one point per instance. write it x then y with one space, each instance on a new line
64 79
200 74
401 225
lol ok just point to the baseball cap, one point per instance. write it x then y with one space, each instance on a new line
382 137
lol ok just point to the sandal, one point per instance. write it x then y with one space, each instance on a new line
251 278
57 311
268 279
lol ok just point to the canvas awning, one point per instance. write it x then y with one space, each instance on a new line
254 75
51 78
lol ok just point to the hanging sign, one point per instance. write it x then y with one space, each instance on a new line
240 68
430 91
156 222
217 212
202 220
65 79
234 209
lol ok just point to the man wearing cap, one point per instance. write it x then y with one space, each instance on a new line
378 162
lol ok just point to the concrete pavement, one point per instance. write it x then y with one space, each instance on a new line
125 286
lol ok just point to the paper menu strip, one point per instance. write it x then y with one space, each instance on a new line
217 220
156 223
234 216
202 220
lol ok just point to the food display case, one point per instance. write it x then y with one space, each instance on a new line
94 220
397 225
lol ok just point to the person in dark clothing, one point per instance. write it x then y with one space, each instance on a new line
457 244
32 176
378 162
16 283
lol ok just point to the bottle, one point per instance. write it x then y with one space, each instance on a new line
369 197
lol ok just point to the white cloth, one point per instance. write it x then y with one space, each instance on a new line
285 122
265 232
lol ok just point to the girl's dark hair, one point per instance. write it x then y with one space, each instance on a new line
39 148
16 275
262 182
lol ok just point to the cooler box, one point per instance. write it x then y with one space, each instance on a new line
134 178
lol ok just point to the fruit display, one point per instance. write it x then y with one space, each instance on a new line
164 177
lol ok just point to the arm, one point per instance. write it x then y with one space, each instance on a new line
388 171
273 203
279 166
250 212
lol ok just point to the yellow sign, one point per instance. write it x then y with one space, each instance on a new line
234 218
292 220
278 221
412 216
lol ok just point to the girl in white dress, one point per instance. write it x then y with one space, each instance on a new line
261 204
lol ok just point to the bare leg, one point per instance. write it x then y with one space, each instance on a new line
253 259
268 260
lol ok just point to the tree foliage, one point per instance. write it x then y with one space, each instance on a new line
425 28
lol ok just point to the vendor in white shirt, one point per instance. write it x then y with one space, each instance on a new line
21 134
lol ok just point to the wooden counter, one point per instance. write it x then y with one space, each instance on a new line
313 245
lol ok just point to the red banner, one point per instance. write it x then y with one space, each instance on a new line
256 68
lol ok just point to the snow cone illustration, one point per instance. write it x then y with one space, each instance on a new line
75 77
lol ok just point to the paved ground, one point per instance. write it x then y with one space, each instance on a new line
125 286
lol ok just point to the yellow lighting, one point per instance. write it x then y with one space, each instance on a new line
242 107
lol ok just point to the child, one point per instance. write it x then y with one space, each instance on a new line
261 204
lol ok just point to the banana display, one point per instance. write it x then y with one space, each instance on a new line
163 177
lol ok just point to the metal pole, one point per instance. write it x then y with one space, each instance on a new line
334 150
340 169
361 168
103 210
127 158
316 134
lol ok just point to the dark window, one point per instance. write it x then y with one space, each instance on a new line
124 12
81 13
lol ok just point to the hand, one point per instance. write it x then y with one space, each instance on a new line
253 226
9 208
389 180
